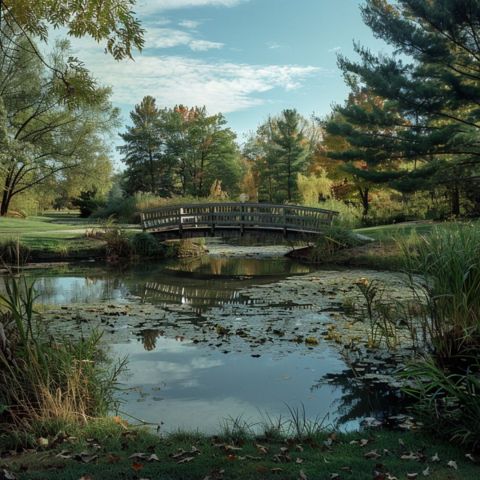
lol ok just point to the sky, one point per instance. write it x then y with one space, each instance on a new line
247 59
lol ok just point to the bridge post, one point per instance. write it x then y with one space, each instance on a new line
212 228
284 222
180 225
242 220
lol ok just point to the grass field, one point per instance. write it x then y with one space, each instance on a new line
112 452
52 234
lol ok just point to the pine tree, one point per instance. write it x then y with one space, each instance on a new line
428 118
149 169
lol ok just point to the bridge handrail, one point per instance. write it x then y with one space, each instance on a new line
240 204
238 214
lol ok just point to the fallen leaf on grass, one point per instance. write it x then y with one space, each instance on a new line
261 448
302 476
410 456
186 460
373 454
137 466
276 470
470 457
435 458
6 475
412 475
452 464
112 458
426 472
86 477
334 476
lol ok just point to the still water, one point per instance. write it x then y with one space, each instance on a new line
184 372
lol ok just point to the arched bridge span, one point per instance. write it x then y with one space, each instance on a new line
220 219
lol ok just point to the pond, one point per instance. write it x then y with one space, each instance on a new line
217 337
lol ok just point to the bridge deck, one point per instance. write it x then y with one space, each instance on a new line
214 218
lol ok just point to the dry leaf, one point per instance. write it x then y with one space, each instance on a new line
137 466
409 456
435 458
452 464
412 475
470 457
302 476
426 472
7 475
186 460
373 454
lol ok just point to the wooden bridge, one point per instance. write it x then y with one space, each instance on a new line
222 219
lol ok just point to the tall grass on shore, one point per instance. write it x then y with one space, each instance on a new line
44 380
446 384
449 260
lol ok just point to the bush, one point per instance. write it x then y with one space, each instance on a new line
12 252
146 245
45 380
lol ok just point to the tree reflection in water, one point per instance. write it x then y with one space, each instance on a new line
360 399
149 338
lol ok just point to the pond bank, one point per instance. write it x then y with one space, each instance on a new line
110 451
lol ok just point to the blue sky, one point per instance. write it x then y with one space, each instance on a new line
245 58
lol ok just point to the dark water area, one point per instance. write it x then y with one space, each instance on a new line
182 373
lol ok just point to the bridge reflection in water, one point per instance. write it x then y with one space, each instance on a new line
206 282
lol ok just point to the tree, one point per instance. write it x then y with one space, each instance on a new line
48 133
204 149
149 168
179 150
280 150
109 21
430 88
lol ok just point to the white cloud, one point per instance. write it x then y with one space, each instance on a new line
220 86
190 24
203 45
273 45
150 6
334 50
170 37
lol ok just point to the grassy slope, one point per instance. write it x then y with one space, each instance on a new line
114 446
53 234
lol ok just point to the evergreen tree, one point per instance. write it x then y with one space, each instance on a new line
149 168
428 118
280 150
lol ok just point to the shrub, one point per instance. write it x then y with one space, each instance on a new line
146 245
12 252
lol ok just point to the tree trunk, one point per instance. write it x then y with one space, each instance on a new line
363 192
6 199
455 199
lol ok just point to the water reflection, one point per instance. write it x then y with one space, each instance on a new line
359 399
200 283
209 266
191 386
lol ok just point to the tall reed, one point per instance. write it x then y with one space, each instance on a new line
43 378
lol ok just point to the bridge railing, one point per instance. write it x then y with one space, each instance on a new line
240 215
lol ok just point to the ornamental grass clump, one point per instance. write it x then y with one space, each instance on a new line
446 382
45 380
449 261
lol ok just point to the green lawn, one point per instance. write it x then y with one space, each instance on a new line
53 234
403 230
126 454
